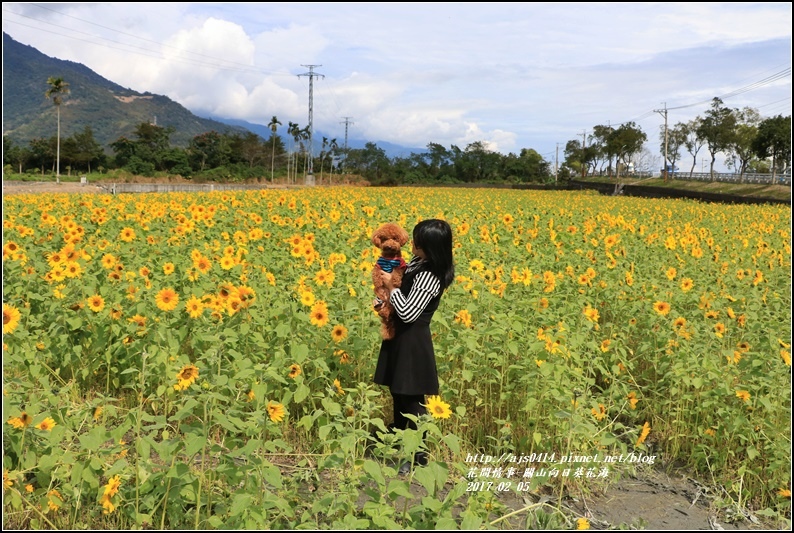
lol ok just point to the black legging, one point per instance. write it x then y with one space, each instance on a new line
407 404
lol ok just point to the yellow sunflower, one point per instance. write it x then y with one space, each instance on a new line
46 425
275 411
463 317
127 235
344 357
20 422
111 489
437 407
96 303
339 333
661 307
203 264
294 370
186 377
339 388
11 316
591 313
194 307
632 398
646 429
319 314
227 262
167 299
108 261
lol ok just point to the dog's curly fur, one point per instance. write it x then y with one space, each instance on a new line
389 238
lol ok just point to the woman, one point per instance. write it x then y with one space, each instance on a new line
407 363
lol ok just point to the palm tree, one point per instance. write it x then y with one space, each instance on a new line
322 157
57 88
274 124
295 132
305 135
333 147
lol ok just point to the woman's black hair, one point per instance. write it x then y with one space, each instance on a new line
434 237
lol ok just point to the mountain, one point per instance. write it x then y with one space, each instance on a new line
111 110
392 150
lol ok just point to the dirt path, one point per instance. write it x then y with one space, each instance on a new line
37 187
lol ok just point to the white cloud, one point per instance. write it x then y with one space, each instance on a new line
513 75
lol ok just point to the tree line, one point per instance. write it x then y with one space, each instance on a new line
750 143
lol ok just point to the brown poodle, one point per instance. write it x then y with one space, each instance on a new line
390 238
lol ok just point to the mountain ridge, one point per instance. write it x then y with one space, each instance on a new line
111 110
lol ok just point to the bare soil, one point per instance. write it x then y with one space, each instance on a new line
36 187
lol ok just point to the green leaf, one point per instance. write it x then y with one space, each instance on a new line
272 476
431 503
193 444
453 442
92 440
427 479
470 520
117 467
398 487
90 478
240 503
301 393
373 469
446 523
283 330
299 352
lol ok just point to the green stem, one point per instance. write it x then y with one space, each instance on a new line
165 496
138 433
203 460
107 379
22 447
36 509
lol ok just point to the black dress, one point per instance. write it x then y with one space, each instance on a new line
407 362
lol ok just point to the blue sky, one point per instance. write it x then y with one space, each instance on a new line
509 75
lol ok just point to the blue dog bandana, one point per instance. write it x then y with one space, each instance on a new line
387 265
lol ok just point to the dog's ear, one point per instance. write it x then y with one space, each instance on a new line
376 238
403 237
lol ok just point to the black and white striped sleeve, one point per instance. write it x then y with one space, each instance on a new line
426 286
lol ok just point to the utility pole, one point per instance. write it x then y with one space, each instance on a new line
347 123
663 112
311 74
584 146
556 162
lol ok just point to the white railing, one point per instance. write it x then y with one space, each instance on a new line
727 177
730 177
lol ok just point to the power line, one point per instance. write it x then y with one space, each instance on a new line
766 81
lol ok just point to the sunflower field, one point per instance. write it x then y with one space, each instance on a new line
205 360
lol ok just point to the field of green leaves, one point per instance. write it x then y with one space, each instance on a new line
204 360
